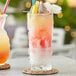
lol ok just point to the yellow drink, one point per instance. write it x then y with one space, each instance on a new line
4 42
4 46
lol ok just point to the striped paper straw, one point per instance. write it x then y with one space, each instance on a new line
6 5
33 2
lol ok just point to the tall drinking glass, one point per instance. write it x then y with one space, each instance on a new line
40 40
4 41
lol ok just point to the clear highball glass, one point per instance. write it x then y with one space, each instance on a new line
40 28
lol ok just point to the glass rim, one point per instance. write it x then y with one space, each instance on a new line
3 15
39 14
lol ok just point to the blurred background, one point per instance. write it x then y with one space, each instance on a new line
64 34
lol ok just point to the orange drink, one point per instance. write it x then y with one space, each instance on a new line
4 41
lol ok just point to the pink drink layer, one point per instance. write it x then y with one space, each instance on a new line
40 38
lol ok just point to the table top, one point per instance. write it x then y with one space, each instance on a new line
66 66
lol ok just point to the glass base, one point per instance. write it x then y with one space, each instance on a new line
5 66
42 68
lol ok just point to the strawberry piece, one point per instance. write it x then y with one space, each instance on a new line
42 43
41 1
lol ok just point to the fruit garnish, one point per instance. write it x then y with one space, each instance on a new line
35 8
45 8
52 8
37 3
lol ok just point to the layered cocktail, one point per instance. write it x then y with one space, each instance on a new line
40 39
4 41
40 26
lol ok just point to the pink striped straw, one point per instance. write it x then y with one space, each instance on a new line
1 22
6 5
